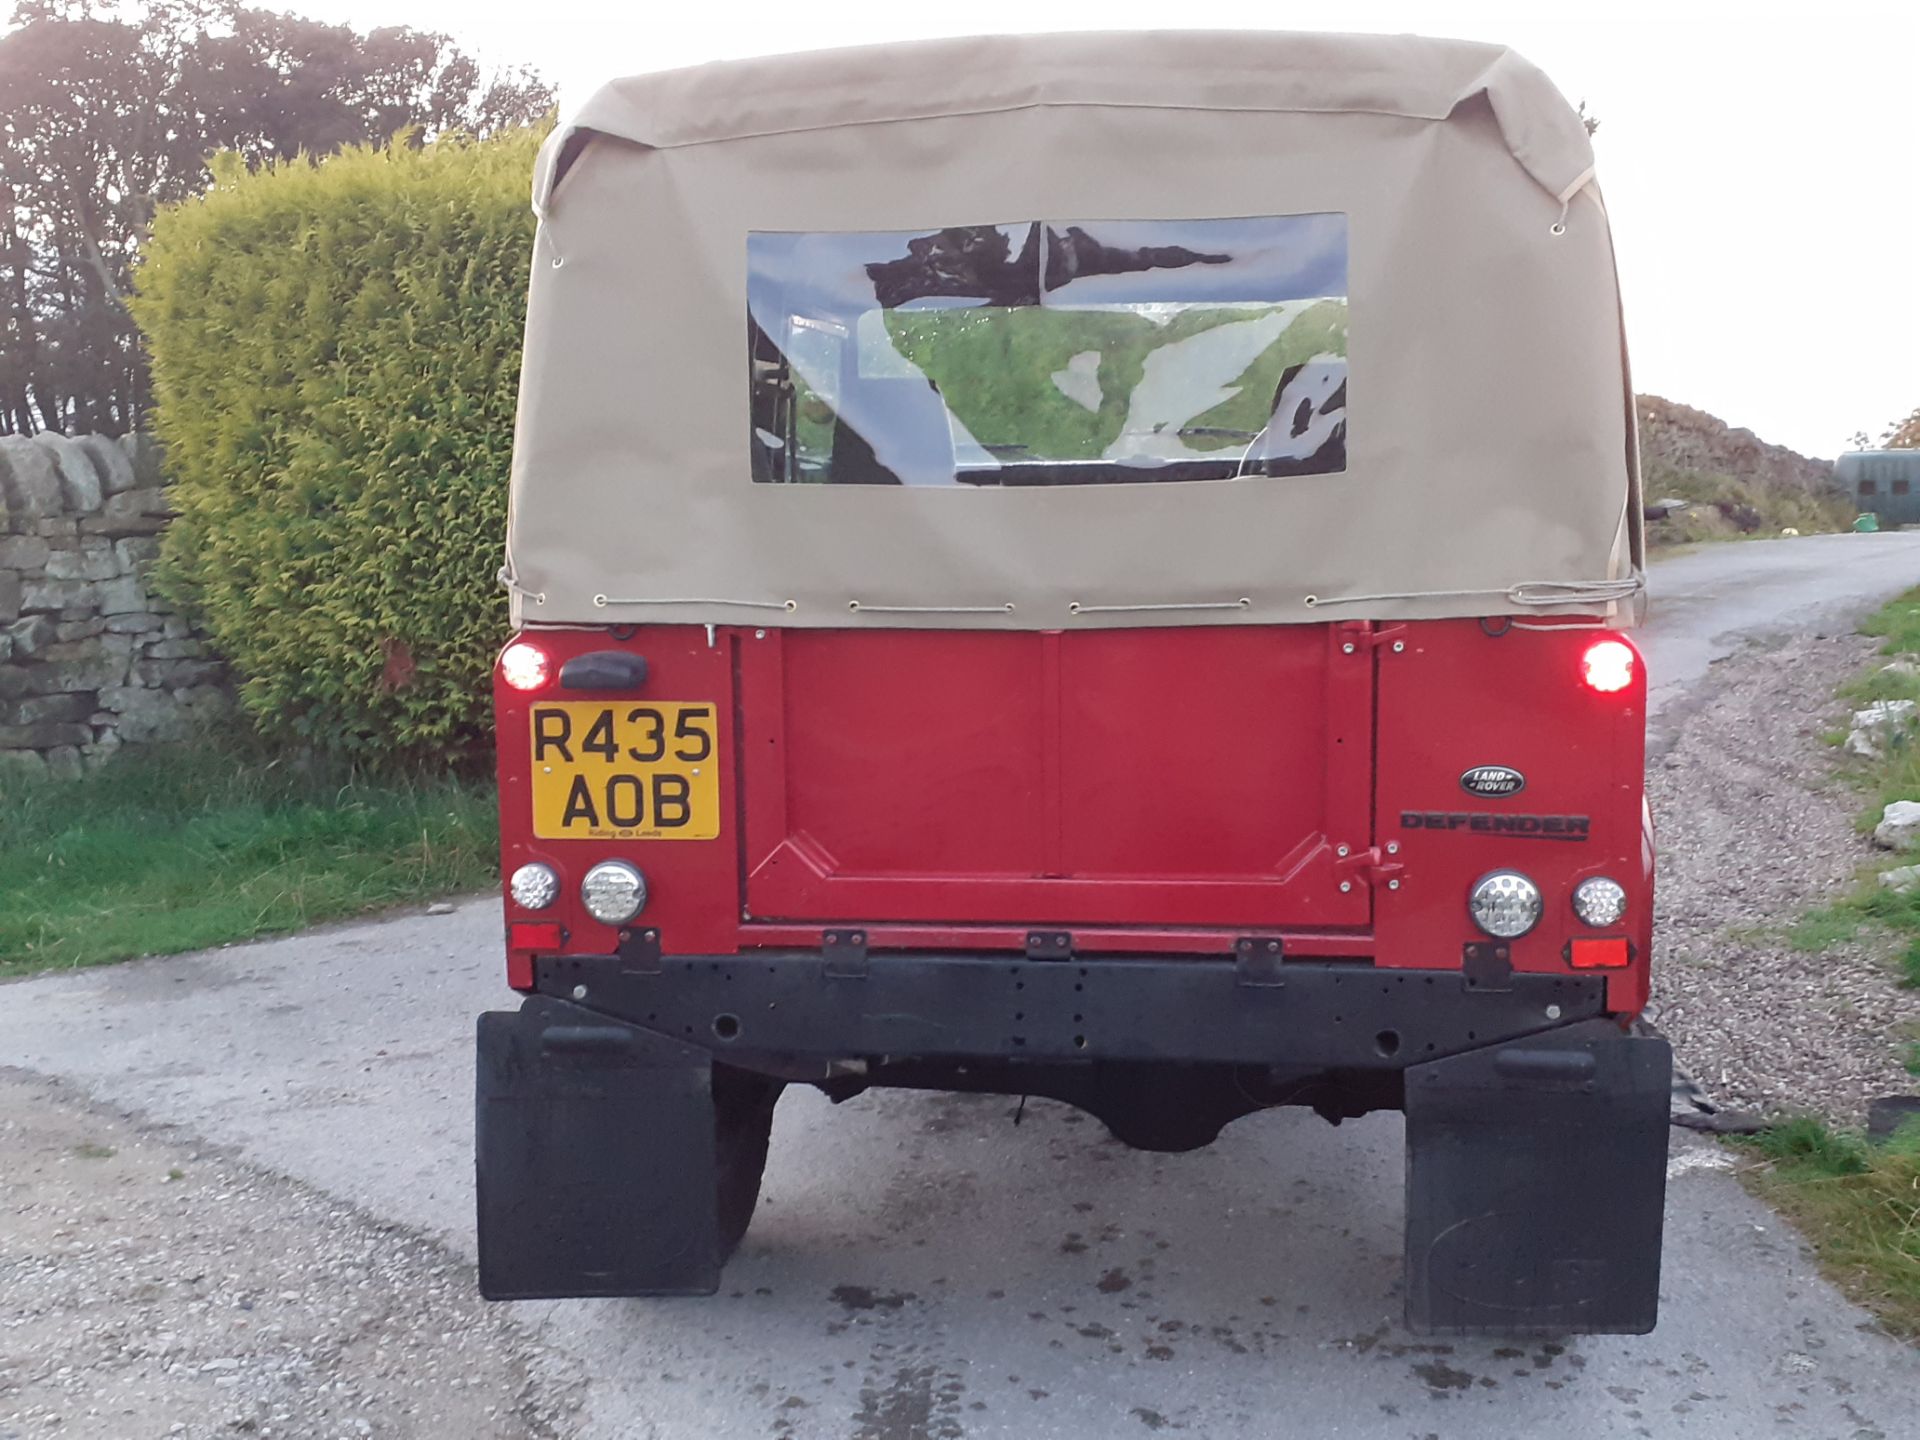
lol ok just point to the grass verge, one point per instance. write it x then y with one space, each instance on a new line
1859 1204
187 847
1895 775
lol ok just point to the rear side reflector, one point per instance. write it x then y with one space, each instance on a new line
1598 954
1607 666
534 935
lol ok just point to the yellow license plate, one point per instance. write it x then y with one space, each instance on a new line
625 772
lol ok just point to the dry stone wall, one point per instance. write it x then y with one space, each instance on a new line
90 658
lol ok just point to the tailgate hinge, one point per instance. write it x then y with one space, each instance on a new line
1356 635
1259 960
640 952
1373 866
845 953
1049 945
1487 965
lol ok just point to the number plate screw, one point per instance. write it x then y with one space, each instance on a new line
1553 1012
579 992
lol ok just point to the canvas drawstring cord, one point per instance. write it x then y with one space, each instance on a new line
1538 593
603 601
1076 608
514 587
857 607
1565 197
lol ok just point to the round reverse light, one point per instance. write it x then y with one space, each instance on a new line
525 666
1506 905
534 887
1600 902
613 892
1607 666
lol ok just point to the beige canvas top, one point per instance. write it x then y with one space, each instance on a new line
1490 466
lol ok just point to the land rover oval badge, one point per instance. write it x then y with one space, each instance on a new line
1496 782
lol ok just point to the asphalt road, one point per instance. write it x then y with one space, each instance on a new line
921 1269
1712 599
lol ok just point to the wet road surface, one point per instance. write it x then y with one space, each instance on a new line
1714 598
923 1269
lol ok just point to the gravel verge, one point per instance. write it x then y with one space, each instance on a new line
1754 827
154 1289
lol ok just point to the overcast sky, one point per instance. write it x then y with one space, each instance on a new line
1761 162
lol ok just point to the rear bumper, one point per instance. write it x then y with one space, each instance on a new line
1536 1165
806 1005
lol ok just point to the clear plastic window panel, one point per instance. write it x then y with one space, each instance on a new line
1050 352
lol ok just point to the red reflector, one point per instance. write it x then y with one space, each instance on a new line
525 666
533 935
1607 666
1598 954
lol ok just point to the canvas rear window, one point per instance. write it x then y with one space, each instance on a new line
1050 352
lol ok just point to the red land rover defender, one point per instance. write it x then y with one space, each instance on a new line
1094 567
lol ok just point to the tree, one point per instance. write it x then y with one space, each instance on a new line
1903 434
108 111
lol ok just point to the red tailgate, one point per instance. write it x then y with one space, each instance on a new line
1190 776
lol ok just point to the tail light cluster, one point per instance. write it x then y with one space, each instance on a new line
1507 905
612 892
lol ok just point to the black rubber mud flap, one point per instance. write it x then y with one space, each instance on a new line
1536 1180
594 1158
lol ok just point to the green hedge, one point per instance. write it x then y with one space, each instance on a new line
336 350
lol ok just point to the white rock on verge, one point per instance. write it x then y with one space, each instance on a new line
1875 725
1904 667
1900 879
1899 825
1884 714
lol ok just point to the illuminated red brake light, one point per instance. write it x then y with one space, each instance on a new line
1607 666
525 666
